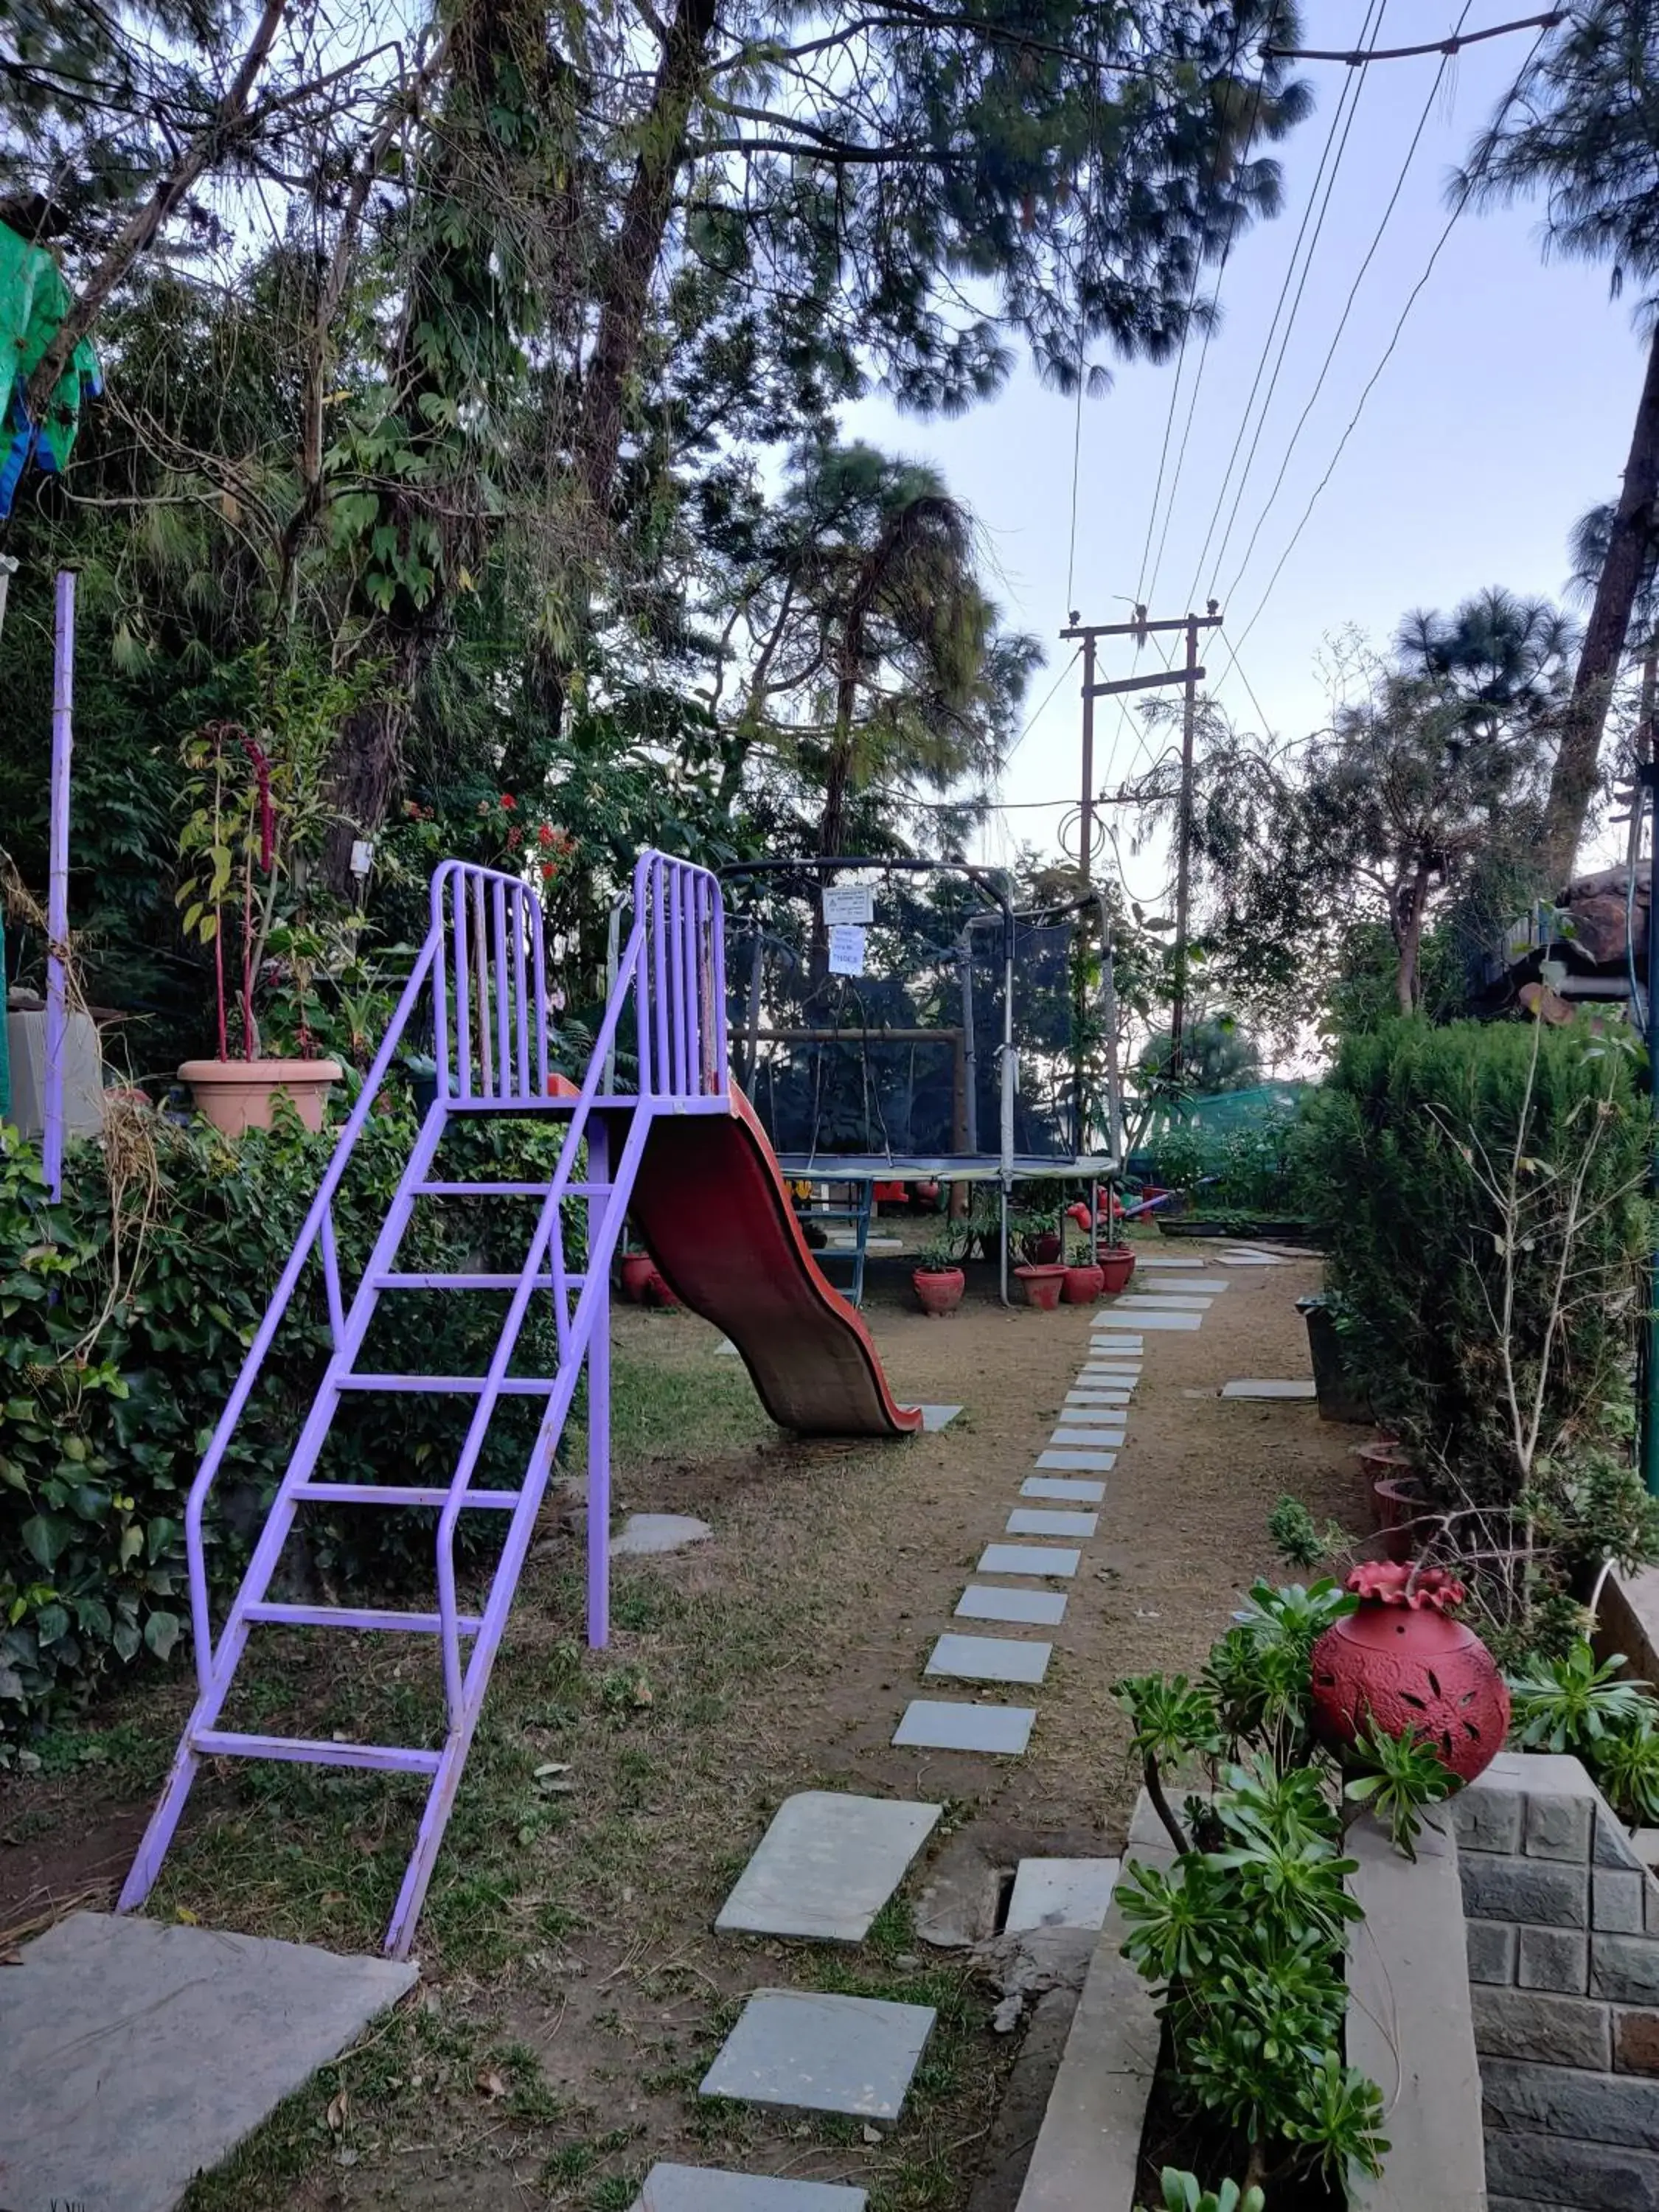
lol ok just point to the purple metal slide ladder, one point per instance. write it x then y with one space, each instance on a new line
484 963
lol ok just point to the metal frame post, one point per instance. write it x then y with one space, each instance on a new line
63 745
1648 777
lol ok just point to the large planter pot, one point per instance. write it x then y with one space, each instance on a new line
938 1290
1042 1286
1401 1665
241 1094
1339 1397
1117 1264
636 1271
1045 1249
1082 1285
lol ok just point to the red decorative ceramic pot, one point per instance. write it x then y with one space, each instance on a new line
1042 1286
938 1290
1117 1264
1401 1665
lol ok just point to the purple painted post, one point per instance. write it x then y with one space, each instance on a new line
598 1403
62 697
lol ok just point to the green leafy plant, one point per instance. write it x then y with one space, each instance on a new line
1570 1703
1396 1777
1298 1537
940 1249
1182 2192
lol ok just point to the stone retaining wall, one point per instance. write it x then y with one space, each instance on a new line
1562 1924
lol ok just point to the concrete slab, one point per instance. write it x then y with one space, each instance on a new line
1252 1386
935 1417
1140 1301
1167 1318
1094 1438
1033 1520
930 1724
1160 1260
826 1866
990 1659
643 1536
1084 1462
1028 1559
1101 1394
1057 1486
1209 1285
726 1349
1034 1608
813 2053
136 2055
1060 1894
708 2189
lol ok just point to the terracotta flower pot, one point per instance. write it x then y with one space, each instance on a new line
1401 1665
1043 1284
1117 1264
638 1269
657 1292
1082 1285
938 1290
1382 1456
1045 1249
241 1094
1398 1502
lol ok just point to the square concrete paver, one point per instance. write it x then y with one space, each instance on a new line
813 2053
1034 1608
707 2189
1209 1285
136 2055
1166 1317
930 1724
1033 1520
1058 1485
1163 1260
1092 1438
990 1659
1139 1302
1060 1894
826 1866
1028 1559
935 1417
1084 1462
1252 1386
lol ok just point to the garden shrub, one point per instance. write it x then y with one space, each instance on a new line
1479 1191
119 1349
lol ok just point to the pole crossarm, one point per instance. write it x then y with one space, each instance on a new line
1146 682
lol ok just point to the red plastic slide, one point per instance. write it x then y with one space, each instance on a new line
712 1210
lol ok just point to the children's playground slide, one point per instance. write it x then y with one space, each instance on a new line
710 1204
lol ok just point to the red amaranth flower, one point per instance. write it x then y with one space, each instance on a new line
508 801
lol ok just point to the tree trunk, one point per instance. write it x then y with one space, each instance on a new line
646 213
1408 936
1573 781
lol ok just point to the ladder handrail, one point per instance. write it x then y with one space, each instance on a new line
317 1228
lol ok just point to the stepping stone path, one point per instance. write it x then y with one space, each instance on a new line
813 2053
1033 1608
1060 1894
1035 1521
932 1725
1252 1388
826 1866
1056 1486
1027 1560
646 1534
706 2189
1086 1463
990 1659
935 1417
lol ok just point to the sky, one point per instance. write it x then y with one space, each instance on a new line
1503 412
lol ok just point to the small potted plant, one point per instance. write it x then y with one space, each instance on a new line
1116 1258
937 1278
636 1271
234 847
1082 1280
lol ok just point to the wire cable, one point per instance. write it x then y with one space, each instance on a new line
1369 30
1353 292
1458 206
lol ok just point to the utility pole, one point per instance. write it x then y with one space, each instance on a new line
1192 676
1184 854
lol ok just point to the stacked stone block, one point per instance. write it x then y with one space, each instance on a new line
1563 1928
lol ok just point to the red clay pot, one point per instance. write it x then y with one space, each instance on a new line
1116 1263
638 1269
1043 1284
1045 1249
1382 1456
938 1290
1399 1665
1399 1503
657 1292
1082 1285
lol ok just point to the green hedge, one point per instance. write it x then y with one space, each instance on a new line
117 1352
1453 1175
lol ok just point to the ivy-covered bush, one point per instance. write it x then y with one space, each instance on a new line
122 1332
1479 1190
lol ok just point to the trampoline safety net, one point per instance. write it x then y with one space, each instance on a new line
904 1060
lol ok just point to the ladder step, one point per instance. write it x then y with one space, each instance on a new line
354 1616
388 1493
468 1282
507 1189
461 1385
378 1758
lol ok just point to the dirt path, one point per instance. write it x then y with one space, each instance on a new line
575 1989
